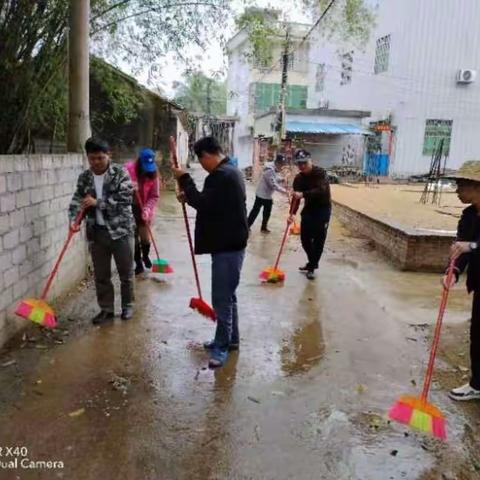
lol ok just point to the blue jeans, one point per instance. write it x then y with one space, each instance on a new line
226 268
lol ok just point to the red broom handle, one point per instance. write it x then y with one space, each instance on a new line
436 336
71 233
293 204
150 233
173 154
192 251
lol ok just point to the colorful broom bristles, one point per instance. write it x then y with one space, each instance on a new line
295 229
272 275
419 414
37 311
203 308
160 265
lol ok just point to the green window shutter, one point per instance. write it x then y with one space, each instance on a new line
297 96
267 95
435 131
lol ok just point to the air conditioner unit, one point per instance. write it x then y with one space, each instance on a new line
466 76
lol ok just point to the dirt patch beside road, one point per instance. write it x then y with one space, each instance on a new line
401 204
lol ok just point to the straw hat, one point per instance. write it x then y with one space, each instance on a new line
468 171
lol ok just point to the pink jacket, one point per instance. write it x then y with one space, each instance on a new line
149 190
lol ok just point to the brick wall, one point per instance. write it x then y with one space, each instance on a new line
35 192
407 248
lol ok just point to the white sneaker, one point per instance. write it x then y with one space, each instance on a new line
464 393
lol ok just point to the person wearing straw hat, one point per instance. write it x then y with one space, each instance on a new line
311 184
144 175
466 253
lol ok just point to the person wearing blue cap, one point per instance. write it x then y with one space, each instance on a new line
144 175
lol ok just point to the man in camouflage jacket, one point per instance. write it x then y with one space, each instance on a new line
105 192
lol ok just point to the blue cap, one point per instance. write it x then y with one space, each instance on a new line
147 160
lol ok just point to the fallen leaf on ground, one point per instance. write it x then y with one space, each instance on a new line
361 389
77 413
9 363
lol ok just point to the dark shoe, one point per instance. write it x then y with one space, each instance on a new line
103 318
304 269
145 255
265 230
311 275
127 313
211 345
139 268
218 357
138 260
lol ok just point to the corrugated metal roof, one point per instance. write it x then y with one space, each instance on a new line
297 126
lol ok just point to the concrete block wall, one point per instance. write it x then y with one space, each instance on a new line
35 192
406 248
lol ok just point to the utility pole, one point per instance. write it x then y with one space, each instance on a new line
209 97
280 123
78 75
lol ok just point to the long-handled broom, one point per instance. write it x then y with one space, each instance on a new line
274 274
160 265
417 411
196 303
37 309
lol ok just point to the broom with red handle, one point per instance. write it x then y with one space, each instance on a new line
417 411
37 309
160 265
274 274
196 303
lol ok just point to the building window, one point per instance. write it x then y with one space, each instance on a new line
435 131
267 95
297 96
320 77
347 67
382 54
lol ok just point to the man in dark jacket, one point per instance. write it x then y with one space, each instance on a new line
221 230
466 253
105 192
311 185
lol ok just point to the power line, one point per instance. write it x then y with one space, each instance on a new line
317 23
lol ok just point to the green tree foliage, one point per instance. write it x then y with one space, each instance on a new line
348 20
33 53
115 99
201 94
261 25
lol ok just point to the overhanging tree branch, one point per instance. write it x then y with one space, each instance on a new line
149 10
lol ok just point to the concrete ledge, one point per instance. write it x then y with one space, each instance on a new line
418 250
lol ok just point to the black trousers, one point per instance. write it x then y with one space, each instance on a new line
267 210
475 341
102 249
313 233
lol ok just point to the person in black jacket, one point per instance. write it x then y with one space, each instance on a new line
466 253
221 229
311 185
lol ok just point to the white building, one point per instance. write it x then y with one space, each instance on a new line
418 73
253 88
